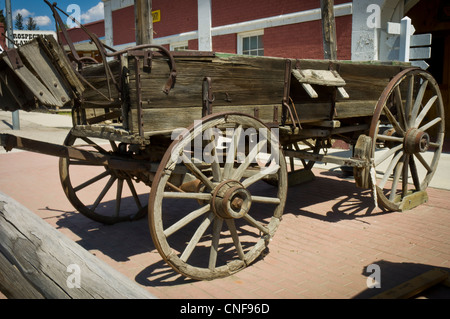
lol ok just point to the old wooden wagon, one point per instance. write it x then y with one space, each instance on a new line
217 138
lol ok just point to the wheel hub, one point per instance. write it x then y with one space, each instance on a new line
231 200
416 141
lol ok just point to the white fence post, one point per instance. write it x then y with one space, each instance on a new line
405 39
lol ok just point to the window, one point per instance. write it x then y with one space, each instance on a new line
179 46
251 43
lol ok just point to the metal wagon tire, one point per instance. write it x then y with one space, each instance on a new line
407 132
107 195
219 216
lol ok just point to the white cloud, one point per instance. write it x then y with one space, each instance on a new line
42 21
24 12
93 14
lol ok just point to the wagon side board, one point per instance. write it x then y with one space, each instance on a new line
251 85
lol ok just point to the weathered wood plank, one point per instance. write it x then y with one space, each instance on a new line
415 286
34 85
35 261
43 69
60 60
234 82
161 119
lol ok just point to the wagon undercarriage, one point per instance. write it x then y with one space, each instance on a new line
221 137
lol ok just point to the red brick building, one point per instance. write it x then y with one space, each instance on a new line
287 28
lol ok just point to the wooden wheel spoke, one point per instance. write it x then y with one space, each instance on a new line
92 181
118 196
414 173
393 121
395 181
134 193
197 172
423 162
417 103
235 236
266 200
239 172
405 175
260 175
390 138
184 195
94 145
387 154
430 124
256 224
409 97
400 107
196 237
232 153
186 220
217 228
390 169
104 191
425 110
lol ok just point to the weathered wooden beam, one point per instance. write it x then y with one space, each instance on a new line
415 286
9 142
144 21
37 261
329 29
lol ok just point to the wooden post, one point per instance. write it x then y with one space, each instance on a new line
144 21
37 261
204 25
328 29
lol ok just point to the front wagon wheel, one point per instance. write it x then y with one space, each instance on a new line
210 213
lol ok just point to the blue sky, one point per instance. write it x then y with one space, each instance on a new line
86 10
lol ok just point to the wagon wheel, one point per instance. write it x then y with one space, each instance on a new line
100 193
221 217
407 131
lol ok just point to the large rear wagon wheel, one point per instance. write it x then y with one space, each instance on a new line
210 214
99 192
407 131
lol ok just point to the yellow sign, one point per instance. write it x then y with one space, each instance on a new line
156 16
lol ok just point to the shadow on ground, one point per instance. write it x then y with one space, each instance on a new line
124 240
392 274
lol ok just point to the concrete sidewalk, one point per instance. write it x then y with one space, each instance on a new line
45 127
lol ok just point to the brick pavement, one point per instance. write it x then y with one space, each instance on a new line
331 232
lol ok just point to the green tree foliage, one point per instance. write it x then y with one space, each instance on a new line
19 22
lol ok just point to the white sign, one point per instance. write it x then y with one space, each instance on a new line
413 48
23 36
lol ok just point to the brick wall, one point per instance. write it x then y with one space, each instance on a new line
303 40
123 25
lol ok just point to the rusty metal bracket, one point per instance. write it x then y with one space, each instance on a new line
207 96
139 51
14 58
